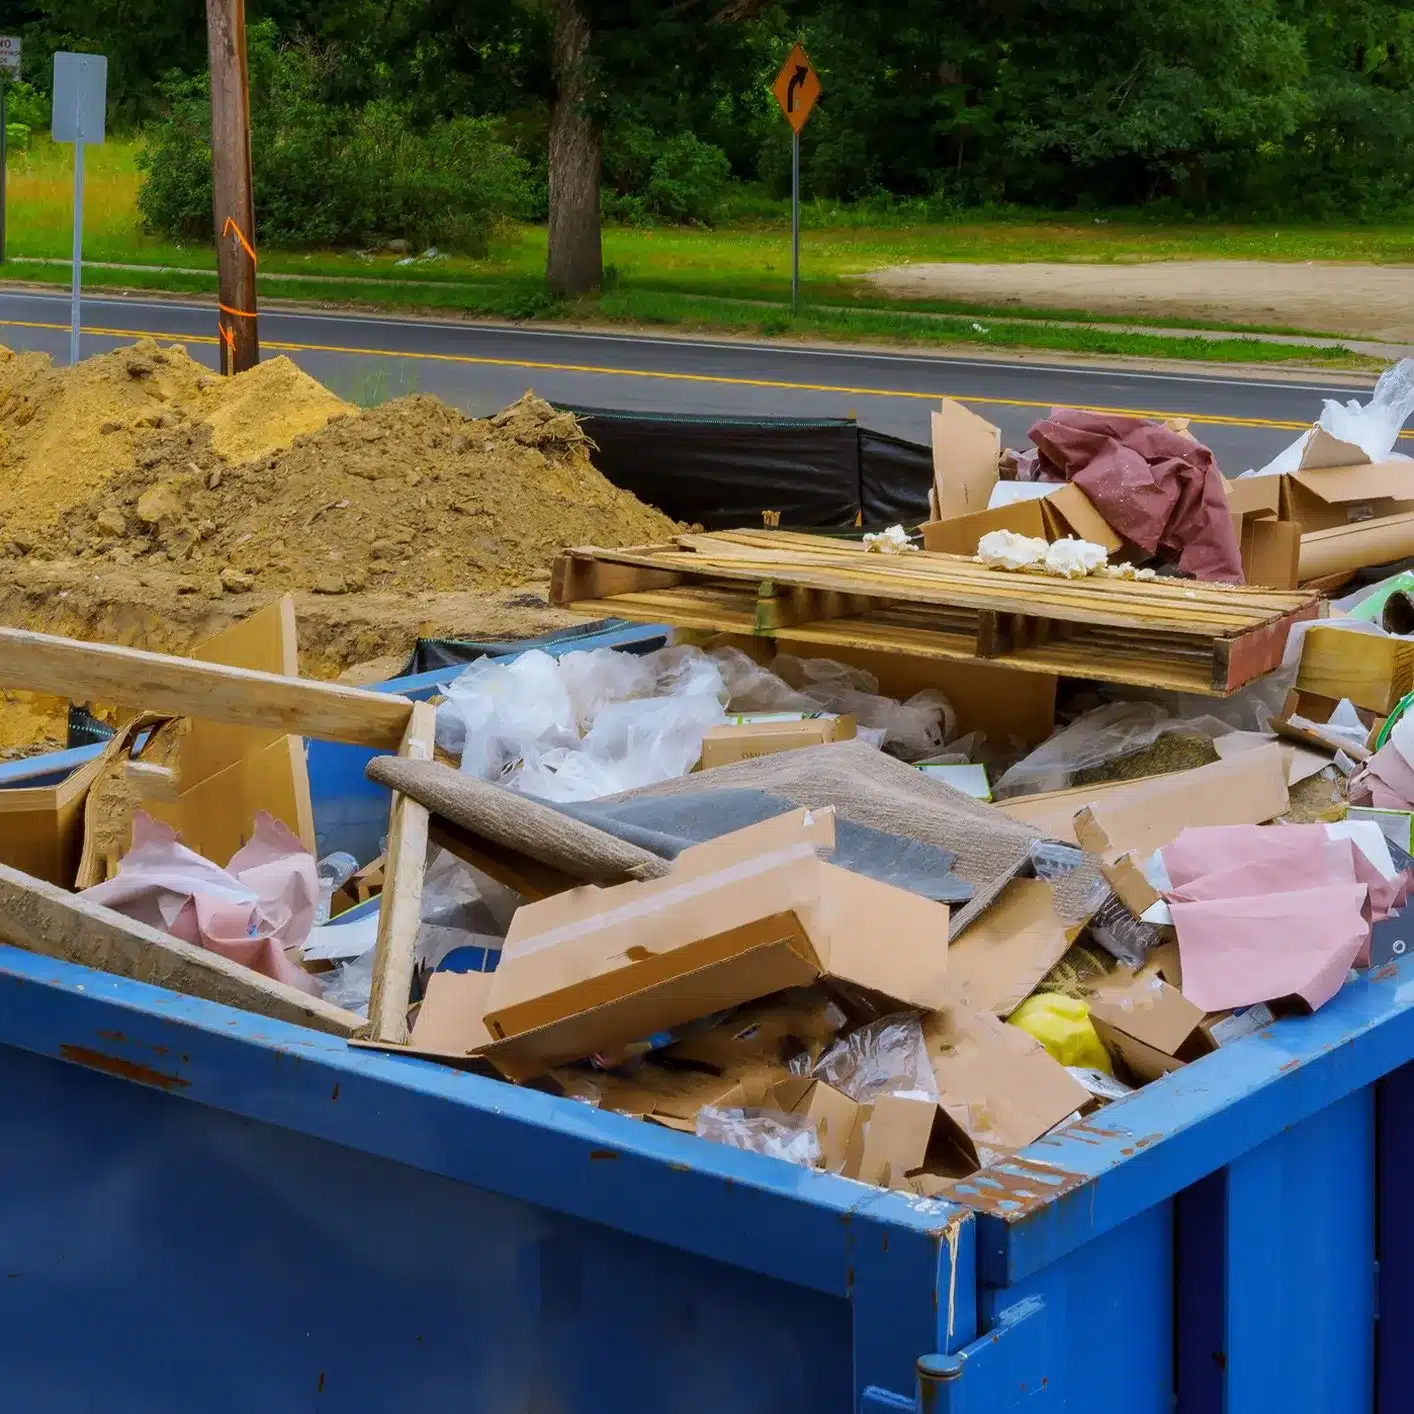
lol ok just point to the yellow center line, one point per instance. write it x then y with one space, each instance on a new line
1210 419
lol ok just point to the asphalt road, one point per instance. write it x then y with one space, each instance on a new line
481 367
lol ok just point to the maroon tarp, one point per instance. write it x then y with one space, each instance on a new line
1162 491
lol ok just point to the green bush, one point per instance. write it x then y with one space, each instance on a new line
331 175
17 136
682 179
26 105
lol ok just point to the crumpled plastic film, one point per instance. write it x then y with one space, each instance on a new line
1374 427
887 1057
771 1132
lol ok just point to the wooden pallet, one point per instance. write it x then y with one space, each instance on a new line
811 594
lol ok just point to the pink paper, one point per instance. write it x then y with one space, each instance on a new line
1270 911
1386 781
250 912
1236 952
1208 849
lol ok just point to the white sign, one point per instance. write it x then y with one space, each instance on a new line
10 46
80 96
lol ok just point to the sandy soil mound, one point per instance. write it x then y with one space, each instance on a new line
145 501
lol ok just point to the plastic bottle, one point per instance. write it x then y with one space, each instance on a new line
335 870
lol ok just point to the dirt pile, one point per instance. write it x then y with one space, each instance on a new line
65 432
411 495
146 501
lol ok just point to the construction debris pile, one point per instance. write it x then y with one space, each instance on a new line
891 863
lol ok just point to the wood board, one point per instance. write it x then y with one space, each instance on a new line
814 593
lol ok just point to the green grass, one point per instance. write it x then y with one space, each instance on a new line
734 278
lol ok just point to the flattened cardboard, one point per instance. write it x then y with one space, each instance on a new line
1065 511
737 918
996 1082
672 1097
722 746
834 1115
1246 789
1271 552
1143 1062
1152 1012
998 961
906 1136
1127 880
966 450
449 1020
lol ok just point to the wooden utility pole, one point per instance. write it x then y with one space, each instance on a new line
233 204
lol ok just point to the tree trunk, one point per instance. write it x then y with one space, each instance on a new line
576 261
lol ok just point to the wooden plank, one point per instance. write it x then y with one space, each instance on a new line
181 687
1373 671
785 549
400 912
574 577
42 918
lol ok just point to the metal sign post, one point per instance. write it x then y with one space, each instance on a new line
796 88
80 97
11 49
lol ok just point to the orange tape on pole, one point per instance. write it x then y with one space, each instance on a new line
231 226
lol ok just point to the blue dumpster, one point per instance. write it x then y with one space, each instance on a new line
204 1210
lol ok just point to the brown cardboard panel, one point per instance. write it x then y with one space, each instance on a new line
834 1115
966 449
1070 511
1143 1062
960 534
1247 789
41 827
1254 495
996 963
1148 1009
1323 451
736 919
722 746
1271 552
897 1142
772 1031
1130 886
1000 701
216 816
999 1084
449 1020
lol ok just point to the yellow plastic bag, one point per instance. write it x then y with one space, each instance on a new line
1062 1025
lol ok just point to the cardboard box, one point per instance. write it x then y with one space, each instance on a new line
1246 789
1153 1013
1065 511
966 465
737 918
834 1115
907 1137
1351 512
743 741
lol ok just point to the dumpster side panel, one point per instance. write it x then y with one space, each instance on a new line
158 1256
1276 1272
1395 1224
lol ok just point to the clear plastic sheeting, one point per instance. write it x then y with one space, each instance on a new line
1374 427
887 1057
770 1132
585 724
1104 734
